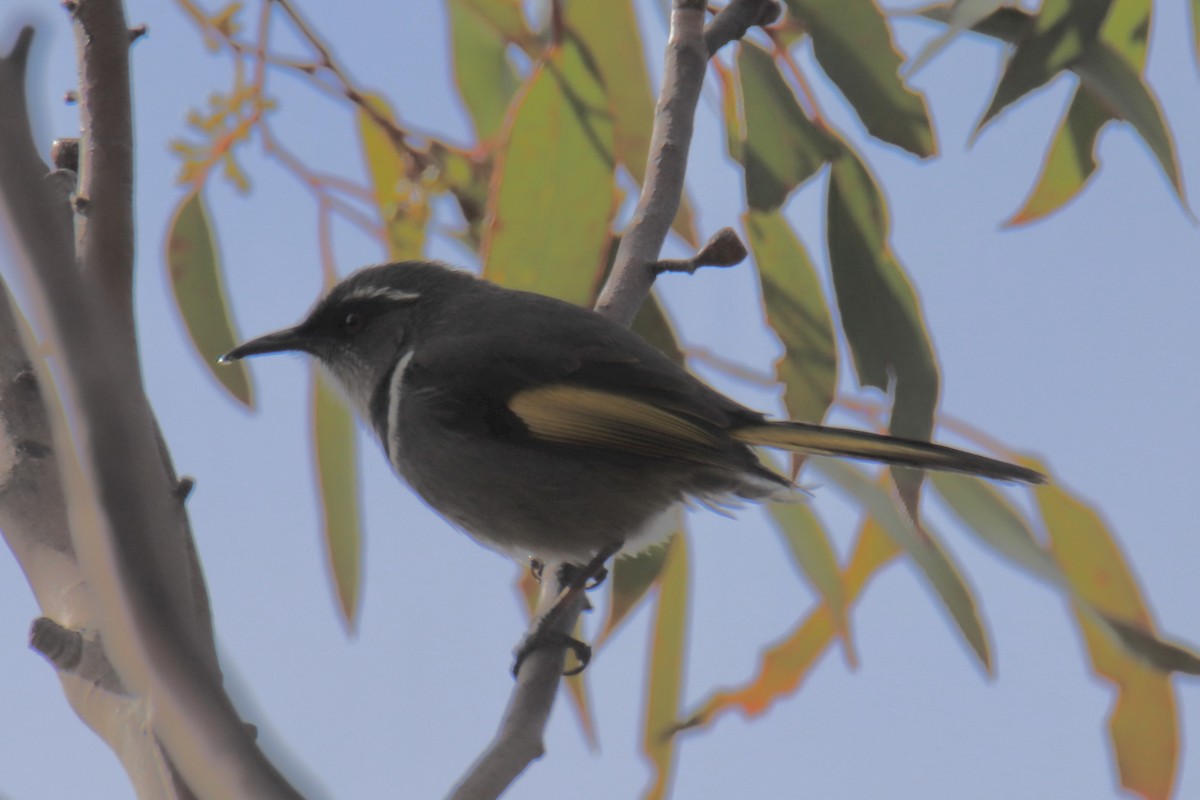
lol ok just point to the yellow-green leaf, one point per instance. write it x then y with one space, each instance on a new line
337 481
785 664
1144 724
400 201
506 18
926 551
631 578
553 196
880 312
810 546
783 148
199 289
666 668
795 309
611 38
853 44
485 75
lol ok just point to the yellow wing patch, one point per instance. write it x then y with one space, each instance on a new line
584 417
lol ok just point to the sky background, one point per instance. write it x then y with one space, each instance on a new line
1075 339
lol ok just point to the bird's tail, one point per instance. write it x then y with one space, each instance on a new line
826 441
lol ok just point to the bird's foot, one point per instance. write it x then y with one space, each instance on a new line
542 637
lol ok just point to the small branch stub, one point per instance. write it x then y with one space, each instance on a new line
61 646
65 154
137 32
724 249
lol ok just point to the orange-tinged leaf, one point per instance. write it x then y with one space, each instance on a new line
783 148
786 664
796 311
852 42
881 314
483 71
934 562
1144 724
401 203
610 35
665 686
199 289
337 482
553 195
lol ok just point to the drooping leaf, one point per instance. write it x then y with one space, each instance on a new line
853 44
665 687
735 127
199 289
796 311
486 77
785 665
400 200
631 578
783 148
880 312
1122 91
997 523
337 482
466 177
809 545
1144 724
612 40
1061 32
961 15
552 198
935 564
507 18
1071 159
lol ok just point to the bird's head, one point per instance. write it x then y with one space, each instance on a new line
365 324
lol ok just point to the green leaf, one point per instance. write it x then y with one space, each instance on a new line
810 546
506 18
1060 34
467 178
796 311
853 44
997 523
199 289
485 75
935 564
1071 160
666 668
783 148
401 203
553 197
880 312
1121 89
610 36
337 480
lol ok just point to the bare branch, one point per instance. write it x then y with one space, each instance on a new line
143 585
518 739
104 236
688 51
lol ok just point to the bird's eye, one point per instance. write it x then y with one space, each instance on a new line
352 323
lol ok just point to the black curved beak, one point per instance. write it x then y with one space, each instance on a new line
283 341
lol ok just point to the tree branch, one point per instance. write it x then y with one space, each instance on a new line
141 579
104 233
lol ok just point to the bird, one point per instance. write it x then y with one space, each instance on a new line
544 430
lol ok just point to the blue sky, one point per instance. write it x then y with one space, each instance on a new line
1075 339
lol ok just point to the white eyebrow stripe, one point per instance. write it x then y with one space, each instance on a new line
382 293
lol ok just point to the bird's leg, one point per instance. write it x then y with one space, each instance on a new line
536 567
575 580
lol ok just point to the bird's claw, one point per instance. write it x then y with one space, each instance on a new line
542 638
